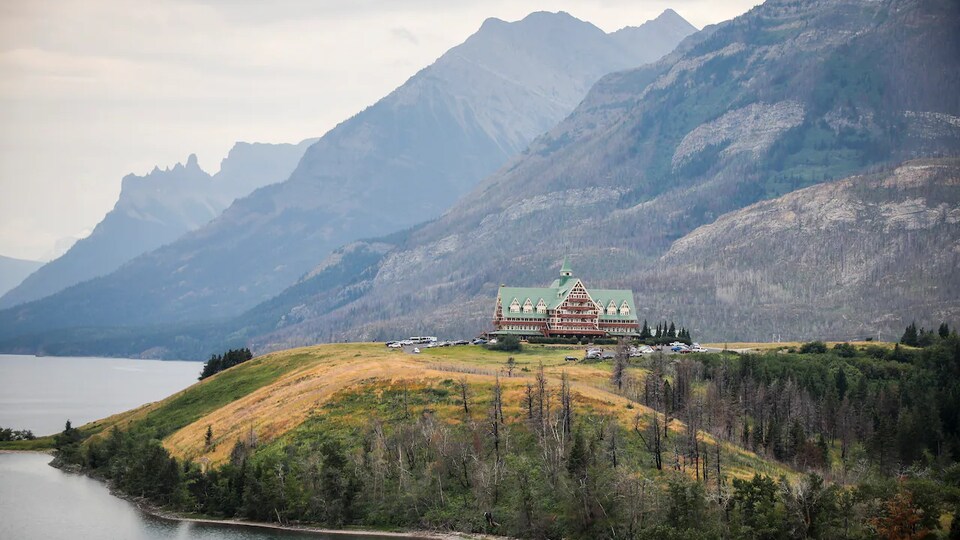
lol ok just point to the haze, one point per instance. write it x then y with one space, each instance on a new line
93 90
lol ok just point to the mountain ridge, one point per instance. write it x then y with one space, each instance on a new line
156 209
399 161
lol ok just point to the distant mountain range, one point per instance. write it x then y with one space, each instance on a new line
405 159
768 120
158 208
13 271
786 96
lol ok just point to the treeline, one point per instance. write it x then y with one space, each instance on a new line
220 362
663 334
923 338
873 434
7 434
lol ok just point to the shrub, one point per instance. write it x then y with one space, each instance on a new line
813 347
505 343
845 350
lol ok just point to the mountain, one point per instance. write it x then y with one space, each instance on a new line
13 271
158 208
841 260
405 159
784 97
655 38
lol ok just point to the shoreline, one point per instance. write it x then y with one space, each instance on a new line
148 508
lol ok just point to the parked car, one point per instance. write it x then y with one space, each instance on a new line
697 348
416 350
395 345
571 358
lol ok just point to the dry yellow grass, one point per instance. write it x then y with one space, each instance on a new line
771 345
279 407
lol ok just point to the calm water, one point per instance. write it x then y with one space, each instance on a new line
40 394
43 503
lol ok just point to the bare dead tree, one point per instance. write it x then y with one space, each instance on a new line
528 400
566 414
464 394
620 359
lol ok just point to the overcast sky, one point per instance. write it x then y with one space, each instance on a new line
92 90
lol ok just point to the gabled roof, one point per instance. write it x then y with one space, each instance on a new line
554 296
619 296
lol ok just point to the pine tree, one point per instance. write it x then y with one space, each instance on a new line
944 331
672 332
841 384
208 438
910 336
645 331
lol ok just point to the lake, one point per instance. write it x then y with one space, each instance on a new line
43 503
42 393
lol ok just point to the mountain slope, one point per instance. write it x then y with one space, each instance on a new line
158 208
839 260
783 97
13 271
402 160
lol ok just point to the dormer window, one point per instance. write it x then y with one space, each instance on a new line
515 306
624 308
528 306
612 308
541 306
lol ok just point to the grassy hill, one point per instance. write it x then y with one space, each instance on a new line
281 395
803 440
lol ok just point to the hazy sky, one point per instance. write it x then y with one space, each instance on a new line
91 90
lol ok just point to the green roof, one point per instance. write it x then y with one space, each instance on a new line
554 295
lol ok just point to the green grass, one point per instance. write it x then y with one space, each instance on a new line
227 386
38 444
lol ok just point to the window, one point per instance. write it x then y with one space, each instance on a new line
624 308
541 306
612 308
514 306
528 306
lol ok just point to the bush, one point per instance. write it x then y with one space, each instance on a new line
845 350
813 347
505 343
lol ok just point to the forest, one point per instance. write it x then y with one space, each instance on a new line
850 442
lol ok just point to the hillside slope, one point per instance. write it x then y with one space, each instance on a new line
840 260
276 394
400 161
158 208
784 97
529 444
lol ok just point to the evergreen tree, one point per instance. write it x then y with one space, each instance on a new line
944 331
910 336
645 330
672 332
841 383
